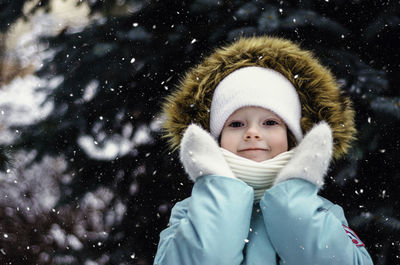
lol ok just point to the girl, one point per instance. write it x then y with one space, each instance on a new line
256 177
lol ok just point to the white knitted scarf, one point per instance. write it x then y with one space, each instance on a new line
258 175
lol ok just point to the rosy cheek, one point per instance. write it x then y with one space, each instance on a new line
224 140
228 141
284 144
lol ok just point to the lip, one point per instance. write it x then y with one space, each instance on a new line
253 149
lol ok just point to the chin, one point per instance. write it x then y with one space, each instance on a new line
261 159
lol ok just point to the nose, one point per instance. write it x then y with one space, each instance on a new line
252 133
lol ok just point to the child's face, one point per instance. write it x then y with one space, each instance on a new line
254 133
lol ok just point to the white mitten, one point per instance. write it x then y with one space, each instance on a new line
201 155
311 157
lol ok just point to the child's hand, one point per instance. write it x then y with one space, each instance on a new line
200 154
311 157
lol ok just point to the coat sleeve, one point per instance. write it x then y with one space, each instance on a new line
210 227
304 231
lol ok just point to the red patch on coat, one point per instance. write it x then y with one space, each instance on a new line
353 236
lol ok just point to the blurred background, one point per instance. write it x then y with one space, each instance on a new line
86 178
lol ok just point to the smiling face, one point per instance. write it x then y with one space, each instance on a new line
254 133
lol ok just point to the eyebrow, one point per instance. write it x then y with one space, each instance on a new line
268 116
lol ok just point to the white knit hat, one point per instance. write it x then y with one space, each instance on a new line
259 87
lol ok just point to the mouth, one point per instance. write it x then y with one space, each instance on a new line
253 149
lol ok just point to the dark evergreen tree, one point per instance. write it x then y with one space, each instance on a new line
117 70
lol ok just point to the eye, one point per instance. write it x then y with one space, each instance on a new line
235 124
270 122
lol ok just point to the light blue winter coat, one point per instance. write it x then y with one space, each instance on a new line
291 225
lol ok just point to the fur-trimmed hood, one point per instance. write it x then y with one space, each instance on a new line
319 93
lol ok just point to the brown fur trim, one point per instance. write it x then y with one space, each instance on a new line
320 96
